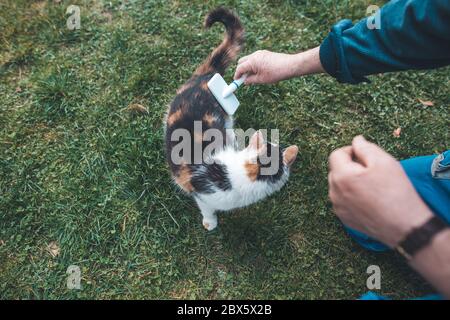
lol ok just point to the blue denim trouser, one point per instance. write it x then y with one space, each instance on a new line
430 176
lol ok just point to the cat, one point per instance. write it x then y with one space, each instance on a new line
227 177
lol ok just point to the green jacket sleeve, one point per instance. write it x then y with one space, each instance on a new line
412 34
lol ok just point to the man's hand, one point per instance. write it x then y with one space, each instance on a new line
265 66
371 193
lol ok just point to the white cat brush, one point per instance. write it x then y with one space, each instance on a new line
224 93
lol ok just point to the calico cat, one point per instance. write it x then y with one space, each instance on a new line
226 177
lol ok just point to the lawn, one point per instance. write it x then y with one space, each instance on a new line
83 178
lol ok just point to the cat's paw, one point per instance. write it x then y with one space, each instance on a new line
210 224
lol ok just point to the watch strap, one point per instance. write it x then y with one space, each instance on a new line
420 237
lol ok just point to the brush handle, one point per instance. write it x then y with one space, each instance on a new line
232 87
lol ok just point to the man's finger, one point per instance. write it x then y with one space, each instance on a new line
247 57
241 69
243 59
365 152
342 159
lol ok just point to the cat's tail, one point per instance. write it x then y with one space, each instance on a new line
231 45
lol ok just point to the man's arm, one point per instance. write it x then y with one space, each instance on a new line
433 262
264 66
413 34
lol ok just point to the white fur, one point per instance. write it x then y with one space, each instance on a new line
244 191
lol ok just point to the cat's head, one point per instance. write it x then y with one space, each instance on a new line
267 161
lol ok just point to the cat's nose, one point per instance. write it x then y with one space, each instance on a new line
289 155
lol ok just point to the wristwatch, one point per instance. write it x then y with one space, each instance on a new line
420 237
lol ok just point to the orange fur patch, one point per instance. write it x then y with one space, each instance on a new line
204 85
252 170
205 67
183 179
198 137
184 87
174 117
209 119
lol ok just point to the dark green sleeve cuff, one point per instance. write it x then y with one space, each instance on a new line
327 58
333 56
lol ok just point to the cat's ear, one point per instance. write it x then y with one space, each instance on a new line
257 141
289 155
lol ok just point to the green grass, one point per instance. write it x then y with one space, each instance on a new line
76 167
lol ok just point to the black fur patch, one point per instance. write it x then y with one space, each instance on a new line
275 154
207 177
